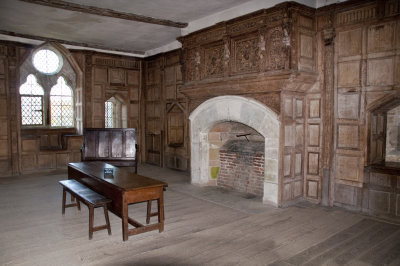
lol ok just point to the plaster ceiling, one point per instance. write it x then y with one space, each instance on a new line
33 21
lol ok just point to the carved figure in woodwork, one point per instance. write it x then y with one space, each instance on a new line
247 55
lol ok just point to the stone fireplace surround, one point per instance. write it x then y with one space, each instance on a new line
242 110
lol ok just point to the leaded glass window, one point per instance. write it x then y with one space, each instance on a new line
31 102
47 61
109 114
61 105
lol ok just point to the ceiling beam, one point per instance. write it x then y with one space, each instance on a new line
106 12
45 39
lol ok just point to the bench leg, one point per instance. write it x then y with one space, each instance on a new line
107 219
78 204
63 201
91 214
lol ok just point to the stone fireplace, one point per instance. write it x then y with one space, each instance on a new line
241 110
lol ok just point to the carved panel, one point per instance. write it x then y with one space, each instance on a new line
381 37
133 77
134 94
288 107
313 163
117 76
3 128
312 189
28 162
289 136
315 108
46 161
298 169
3 107
297 189
350 42
214 60
299 135
245 55
2 67
313 135
349 74
305 22
3 147
348 136
347 167
379 201
287 166
98 91
276 51
380 71
306 46
299 108
348 105
62 160
100 75
2 86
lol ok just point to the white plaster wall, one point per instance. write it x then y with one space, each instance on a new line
245 111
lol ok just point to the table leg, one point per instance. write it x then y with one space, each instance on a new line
160 204
124 221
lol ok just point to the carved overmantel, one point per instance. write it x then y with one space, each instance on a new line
268 51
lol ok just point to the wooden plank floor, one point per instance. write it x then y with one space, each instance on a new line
204 226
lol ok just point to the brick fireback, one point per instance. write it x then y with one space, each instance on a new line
242 166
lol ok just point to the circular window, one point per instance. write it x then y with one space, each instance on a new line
47 61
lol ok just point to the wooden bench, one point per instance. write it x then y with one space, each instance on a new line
89 197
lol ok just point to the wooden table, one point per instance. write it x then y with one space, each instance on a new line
123 189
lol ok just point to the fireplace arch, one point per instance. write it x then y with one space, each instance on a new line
236 109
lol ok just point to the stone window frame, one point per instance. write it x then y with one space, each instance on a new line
377 137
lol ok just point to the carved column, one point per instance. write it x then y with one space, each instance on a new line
227 55
262 53
328 114
88 119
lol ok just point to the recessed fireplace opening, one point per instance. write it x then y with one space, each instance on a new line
236 158
253 118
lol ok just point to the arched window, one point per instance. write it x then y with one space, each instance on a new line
61 105
109 117
115 112
31 102
47 95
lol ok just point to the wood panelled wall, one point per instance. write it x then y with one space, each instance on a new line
107 76
360 46
166 112
29 150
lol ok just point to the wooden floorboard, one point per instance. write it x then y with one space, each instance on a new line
203 226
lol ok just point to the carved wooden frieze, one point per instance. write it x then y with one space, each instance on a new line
356 15
246 58
214 61
245 26
121 63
